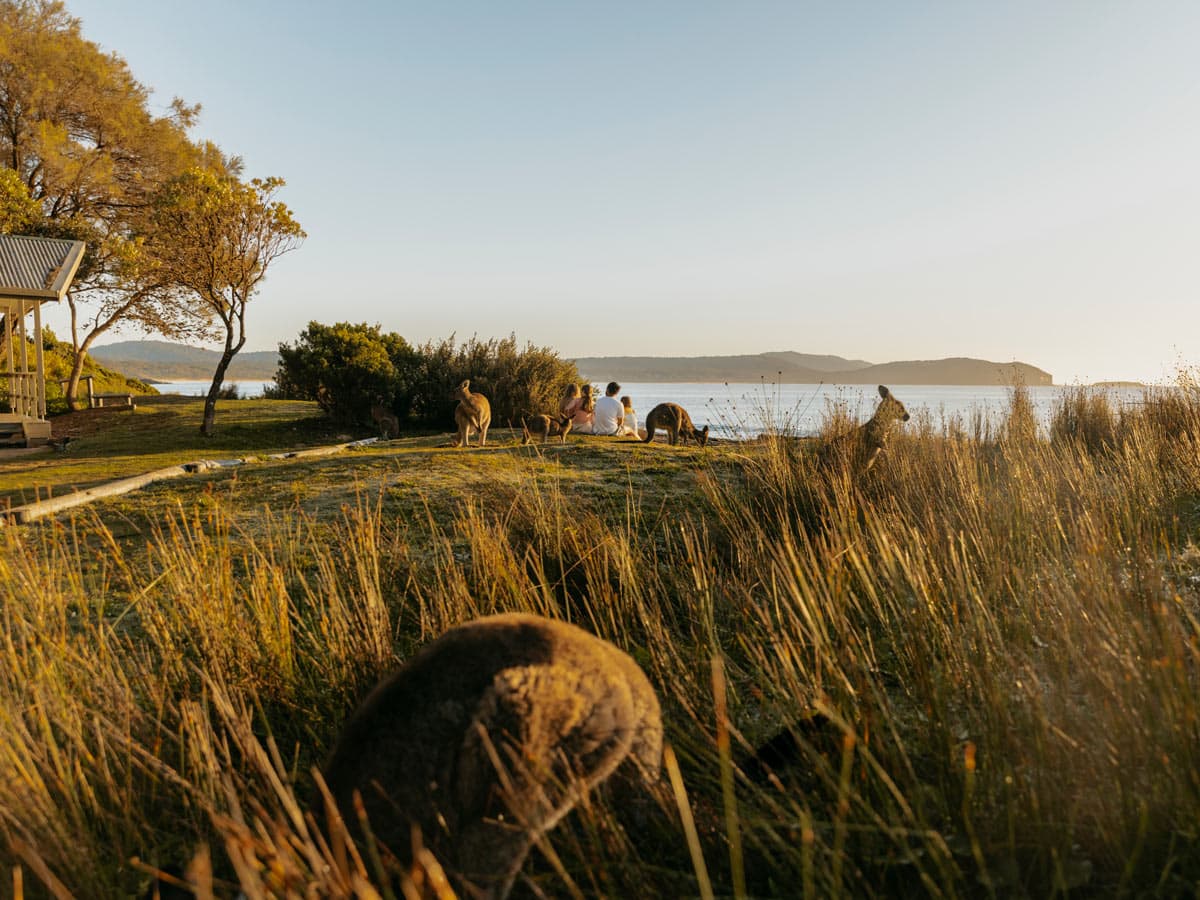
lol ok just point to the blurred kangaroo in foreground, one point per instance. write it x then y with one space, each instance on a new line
674 419
473 413
385 419
545 427
490 735
862 446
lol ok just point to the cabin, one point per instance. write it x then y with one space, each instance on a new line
33 271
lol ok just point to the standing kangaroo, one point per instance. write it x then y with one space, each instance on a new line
674 419
490 735
862 446
473 413
385 419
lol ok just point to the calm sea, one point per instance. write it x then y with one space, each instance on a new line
246 389
743 410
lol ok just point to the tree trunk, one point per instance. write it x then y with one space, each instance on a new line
77 359
210 402
77 367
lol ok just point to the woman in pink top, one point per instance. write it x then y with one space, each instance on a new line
579 408
570 401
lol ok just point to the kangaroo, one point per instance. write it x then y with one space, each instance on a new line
546 427
473 413
862 446
674 419
490 735
389 425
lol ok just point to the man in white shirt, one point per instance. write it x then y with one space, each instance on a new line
609 412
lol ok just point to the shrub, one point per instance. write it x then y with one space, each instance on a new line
516 381
345 368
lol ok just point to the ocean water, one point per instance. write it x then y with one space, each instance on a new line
745 410
246 389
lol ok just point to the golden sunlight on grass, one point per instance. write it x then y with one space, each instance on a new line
975 669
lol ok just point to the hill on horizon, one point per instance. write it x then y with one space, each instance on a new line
801 368
164 361
787 366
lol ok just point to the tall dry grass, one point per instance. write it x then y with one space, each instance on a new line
977 668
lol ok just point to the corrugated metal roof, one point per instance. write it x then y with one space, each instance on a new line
36 266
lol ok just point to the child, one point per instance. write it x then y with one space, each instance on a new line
629 425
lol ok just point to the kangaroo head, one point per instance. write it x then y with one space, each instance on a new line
890 409
463 390
701 436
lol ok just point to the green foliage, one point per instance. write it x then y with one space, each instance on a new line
517 381
18 210
346 368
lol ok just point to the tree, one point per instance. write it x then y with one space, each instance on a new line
215 237
76 128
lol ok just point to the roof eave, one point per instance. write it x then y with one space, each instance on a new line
66 272
10 294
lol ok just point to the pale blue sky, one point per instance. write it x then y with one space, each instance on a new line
876 180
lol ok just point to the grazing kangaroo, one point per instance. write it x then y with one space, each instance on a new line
385 419
546 427
862 446
473 413
490 735
674 419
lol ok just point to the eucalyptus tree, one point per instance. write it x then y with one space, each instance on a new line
215 237
77 129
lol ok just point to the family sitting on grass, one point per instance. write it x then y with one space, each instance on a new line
607 415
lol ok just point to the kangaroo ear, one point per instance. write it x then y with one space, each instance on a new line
884 392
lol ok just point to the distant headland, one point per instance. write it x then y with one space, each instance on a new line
789 367
160 361
164 361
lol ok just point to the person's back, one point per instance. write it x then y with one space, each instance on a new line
582 411
609 412
630 423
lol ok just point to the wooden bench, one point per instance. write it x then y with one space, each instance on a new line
114 400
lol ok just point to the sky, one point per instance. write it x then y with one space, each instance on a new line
881 181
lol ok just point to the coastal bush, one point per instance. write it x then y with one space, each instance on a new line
346 368
516 380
